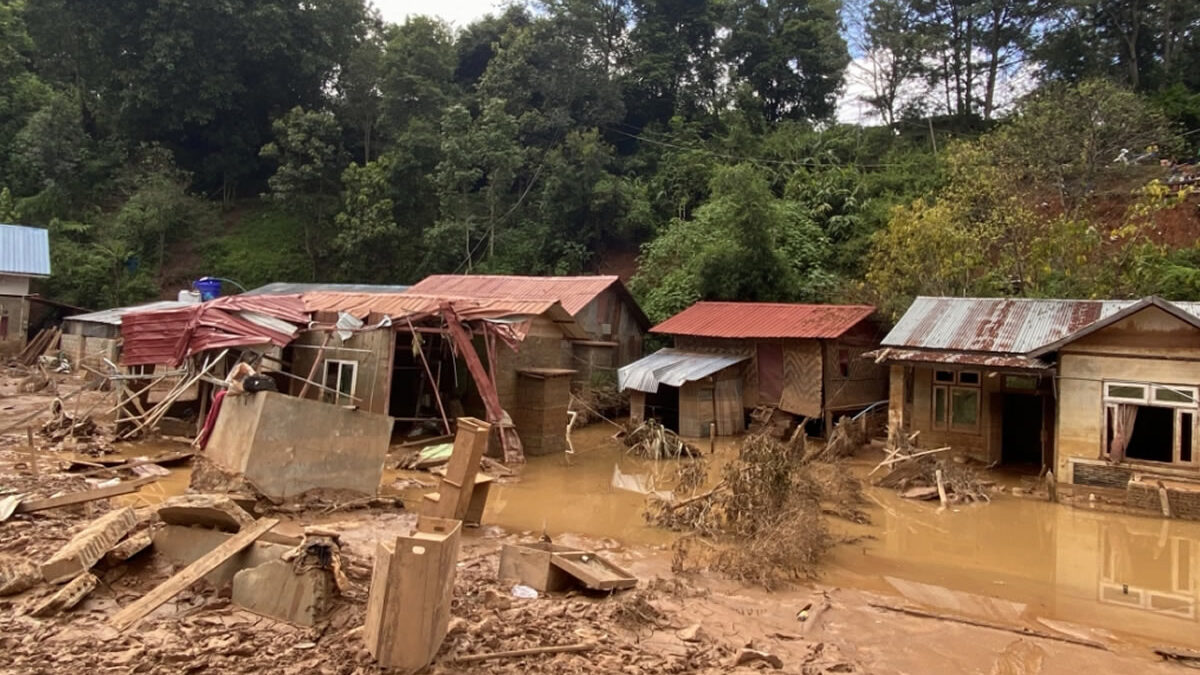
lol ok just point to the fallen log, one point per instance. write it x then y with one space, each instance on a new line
532 651
1019 630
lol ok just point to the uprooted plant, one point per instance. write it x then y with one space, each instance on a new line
763 521
651 440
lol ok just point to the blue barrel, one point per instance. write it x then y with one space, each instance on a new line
209 287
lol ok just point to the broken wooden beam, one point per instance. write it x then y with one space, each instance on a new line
470 442
1019 630
123 488
189 575
86 548
532 651
133 545
68 596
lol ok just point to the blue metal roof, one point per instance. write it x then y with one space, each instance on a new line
24 251
672 367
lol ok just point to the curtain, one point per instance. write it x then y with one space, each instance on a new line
1123 420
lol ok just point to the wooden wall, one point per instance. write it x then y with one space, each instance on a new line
374 364
696 404
608 318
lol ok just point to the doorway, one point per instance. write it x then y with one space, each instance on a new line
664 406
1021 441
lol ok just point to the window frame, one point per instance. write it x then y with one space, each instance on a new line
337 397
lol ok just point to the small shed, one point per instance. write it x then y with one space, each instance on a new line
24 255
730 357
94 336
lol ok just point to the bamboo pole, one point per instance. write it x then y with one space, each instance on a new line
312 372
437 395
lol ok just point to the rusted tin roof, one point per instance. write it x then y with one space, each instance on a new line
996 361
764 320
168 336
414 306
987 328
573 292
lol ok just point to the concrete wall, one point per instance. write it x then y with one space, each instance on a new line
14 285
982 443
285 445
543 347
14 313
1151 347
91 350
373 352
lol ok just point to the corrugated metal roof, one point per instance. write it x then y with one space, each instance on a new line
289 288
764 320
672 367
1000 325
113 316
573 292
24 251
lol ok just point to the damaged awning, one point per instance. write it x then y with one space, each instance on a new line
957 358
672 367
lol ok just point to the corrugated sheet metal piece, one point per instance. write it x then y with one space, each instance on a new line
672 367
764 320
113 316
24 251
288 288
573 292
999 325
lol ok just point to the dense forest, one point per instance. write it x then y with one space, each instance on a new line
1016 148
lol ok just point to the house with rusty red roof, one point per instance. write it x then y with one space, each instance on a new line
731 357
601 305
1103 394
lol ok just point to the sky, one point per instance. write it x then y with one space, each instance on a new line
457 12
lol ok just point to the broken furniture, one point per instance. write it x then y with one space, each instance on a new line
470 442
473 515
285 446
412 585
551 568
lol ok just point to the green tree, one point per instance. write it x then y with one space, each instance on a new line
310 159
369 242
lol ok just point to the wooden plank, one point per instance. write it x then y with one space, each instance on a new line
469 445
593 571
133 612
122 488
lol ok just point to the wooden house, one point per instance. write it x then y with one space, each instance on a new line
730 357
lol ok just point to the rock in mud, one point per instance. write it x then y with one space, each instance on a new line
17 575
87 547
748 655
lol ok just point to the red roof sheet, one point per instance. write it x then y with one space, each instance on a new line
573 292
169 336
764 320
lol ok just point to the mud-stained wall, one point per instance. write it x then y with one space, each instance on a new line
865 383
372 350
543 347
699 400
14 320
982 443
609 318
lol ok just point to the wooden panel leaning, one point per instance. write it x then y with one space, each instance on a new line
470 442
412 585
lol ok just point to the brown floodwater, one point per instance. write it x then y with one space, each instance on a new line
1015 560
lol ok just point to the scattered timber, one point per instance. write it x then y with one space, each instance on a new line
1184 657
912 611
123 488
532 651
189 575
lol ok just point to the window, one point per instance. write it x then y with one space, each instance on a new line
1023 382
844 362
1171 395
1150 422
341 381
964 408
1135 393
956 407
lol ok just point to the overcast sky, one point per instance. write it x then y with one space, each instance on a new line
457 12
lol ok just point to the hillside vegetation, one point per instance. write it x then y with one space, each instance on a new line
267 140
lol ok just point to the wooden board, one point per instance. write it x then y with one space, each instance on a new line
122 488
530 565
593 571
189 575
469 445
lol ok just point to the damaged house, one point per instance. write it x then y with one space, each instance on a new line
731 357
24 255
602 306
1102 393
420 360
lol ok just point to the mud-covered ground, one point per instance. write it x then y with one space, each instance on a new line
670 623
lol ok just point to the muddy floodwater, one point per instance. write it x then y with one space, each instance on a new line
1015 560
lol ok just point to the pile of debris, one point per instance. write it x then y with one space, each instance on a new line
928 474
81 435
652 440
763 521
